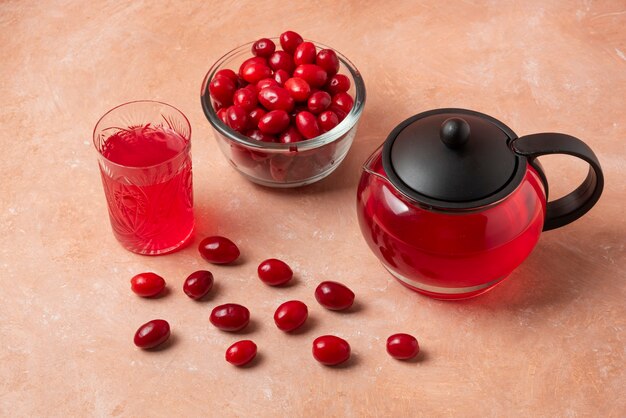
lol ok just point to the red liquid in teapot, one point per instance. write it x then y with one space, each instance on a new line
447 255
150 197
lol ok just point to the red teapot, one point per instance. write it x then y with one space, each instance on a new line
454 201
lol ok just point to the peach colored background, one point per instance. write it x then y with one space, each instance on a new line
548 342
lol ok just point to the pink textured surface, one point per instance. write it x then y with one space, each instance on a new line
547 342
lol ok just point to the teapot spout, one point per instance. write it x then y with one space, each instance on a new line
374 164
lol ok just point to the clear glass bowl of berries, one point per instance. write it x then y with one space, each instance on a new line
285 110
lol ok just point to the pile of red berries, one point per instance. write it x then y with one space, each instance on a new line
283 96
329 350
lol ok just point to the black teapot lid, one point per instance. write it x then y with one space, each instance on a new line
453 159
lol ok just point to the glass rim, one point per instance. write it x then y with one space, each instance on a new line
334 134
183 151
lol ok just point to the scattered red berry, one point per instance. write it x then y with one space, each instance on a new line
152 333
218 250
334 296
402 346
263 47
274 272
198 284
147 284
241 353
230 317
290 40
291 315
331 350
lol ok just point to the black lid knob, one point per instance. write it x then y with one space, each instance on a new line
454 132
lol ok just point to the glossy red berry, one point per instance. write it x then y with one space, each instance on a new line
263 47
241 353
402 346
331 350
274 272
298 89
257 135
254 117
230 317
237 118
341 114
343 101
281 76
280 60
228 73
218 250
198 284
327 59
256 60
334 296
254 72
222 115
266 82
307 125
276 98
290 40
274 122
327 120
290 135
319 102
246 98
304 53
338 83
147 284
290 315
221 90
152 333
312 74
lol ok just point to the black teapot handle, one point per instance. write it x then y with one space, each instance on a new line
574 205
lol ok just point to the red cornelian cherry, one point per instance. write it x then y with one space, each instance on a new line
230 317
147 284
319 102
198 284
338 83
298 89
290 40
290 315
152 334
327 59
274 272
266 82
254 72
245 98
237 118
218 250
341 114
290 135
257 135
280 60
274 122
331 350
281 76
402 346
263 47
304 53
312 74
276 98
255 116
221 90
334 296
251 60
222 115
343 101
228 73
241 353
307 125
327 120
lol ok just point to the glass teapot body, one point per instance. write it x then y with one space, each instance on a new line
448 254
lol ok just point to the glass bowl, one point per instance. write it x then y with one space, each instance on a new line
285 165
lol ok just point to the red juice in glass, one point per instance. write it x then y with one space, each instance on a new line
145 165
